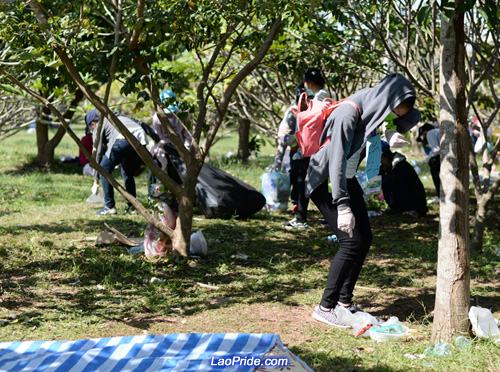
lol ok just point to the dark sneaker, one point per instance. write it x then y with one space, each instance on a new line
353 308
413 214
295 225
105 211
328 317
129 210
323 222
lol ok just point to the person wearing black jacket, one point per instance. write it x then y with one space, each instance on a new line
403 191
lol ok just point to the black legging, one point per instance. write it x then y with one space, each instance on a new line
435 166
302 201
347 263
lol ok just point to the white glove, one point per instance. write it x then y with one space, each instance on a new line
95 188
395 139
276 166
346 221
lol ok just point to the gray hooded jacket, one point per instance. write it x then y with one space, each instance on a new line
349 132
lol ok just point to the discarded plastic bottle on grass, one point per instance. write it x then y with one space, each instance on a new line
333 238
443 349
373 213
462 342
440 349
137 250
157 189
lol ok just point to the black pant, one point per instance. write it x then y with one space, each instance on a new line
435 165
302 201
122 152
347 263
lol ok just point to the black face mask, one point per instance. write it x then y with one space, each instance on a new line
407 121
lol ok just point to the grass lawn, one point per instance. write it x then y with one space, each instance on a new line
55 284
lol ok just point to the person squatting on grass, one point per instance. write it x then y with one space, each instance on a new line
113 149
344 209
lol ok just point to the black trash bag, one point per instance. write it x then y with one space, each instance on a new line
220 195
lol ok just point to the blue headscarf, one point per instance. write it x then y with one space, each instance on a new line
385 146
92 115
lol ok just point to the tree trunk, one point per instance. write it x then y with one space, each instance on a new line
46 146
45 156
182 233
244 140
453 268
479 226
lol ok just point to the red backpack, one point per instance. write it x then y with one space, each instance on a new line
311 122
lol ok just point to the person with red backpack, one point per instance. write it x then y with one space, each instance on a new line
346 132
314 84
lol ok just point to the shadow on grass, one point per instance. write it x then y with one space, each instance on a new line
112 284
57 167
123 223
323 361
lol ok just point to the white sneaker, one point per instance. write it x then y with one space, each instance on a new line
328 317
295 225
433 201
105 211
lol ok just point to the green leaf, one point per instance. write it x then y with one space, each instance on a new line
10 89
30 56
484 14
467 5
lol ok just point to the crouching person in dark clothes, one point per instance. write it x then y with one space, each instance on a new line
403 190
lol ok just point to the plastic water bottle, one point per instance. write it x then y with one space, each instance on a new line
373 213
157 189
137 250
333 238
462 342
443 349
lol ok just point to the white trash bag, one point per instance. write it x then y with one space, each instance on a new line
483 323
198 246
357 321
96 198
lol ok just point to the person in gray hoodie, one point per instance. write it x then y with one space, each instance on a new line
113 149
348 128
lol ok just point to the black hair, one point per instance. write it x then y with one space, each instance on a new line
424 128
409 102
298 90
313 74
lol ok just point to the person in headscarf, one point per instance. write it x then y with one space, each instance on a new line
348 129
403 191
114 149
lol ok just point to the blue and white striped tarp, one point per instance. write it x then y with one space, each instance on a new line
173 352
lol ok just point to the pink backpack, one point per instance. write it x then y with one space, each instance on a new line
311 122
